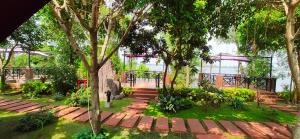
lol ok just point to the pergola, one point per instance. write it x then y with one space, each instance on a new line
228 57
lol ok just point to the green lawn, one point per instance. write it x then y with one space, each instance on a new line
117 105
225 112
64 129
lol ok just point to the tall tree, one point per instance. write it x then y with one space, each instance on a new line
98 20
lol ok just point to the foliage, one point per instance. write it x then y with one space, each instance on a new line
127 91
244 94
258 67
36 88
58 97
141 69
173 104
63 78
286 94
33 121
237 103
86 133
79 98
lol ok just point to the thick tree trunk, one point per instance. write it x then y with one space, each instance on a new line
2 80
187 77
95 109
174 78
292 60
164 78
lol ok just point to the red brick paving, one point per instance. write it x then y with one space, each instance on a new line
75 114
231 128
195 126
9 102
22 106
115 119
212 127
209 136
178 125
162 124
253 129
249 130
130 121
145 123
279 128
83 118
266 131
105 115
14 105
4 100
66 111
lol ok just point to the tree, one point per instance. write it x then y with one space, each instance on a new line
28 35
97 20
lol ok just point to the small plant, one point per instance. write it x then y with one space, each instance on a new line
237 104
86 133
58 97
172 104
33 121
127 91
79 98
241 93
36 88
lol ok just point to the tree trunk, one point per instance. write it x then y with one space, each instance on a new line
2 80
293 64
95 109
187 78
164 78
174 78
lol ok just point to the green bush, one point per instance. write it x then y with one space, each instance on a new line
33 121
36 88
173 104
238 103
127 91
286 94
79 98
241 93
58 97
86 133
63 78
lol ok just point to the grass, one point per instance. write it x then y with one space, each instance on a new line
117 105
225 112
64 129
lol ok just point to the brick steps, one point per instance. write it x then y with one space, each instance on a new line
203 129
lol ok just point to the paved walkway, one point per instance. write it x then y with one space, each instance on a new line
203 129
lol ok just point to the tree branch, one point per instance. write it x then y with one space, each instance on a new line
78 16
95 15
285 5
297 33
107 37
9 56
135 18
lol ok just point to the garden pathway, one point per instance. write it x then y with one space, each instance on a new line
271 99
203 129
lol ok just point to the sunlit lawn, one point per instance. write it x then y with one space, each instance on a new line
225 112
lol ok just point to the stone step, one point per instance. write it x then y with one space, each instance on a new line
279 128
178 125
249 130
209 136
195 126
145 91
150 96
22 106
105 115
138 107
59 108
66 111
45 107
266 131
9 102
4 100
130 121
83 118
75 114
30 108
162 125
231 128
145 123
129 111
212 127
13 105
141 100
115 119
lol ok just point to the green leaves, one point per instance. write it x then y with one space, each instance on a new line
200 4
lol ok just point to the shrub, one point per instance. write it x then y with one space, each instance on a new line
79 98
36 88
241 93
172 104
237 103
127 91
86 133
58 97
63 78
286 94
208 99
33 121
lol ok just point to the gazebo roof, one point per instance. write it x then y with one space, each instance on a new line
226 56
20 50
